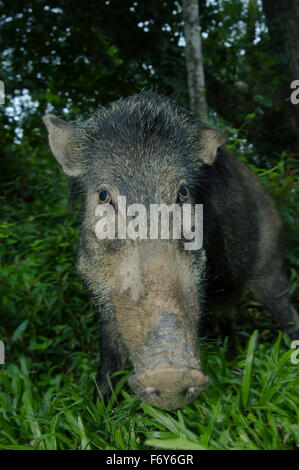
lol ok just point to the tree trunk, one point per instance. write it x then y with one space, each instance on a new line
282 18
194 59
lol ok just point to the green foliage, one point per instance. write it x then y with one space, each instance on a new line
38 255
52 411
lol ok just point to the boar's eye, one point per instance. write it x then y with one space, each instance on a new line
104 197
183 194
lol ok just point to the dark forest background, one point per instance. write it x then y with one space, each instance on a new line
79 55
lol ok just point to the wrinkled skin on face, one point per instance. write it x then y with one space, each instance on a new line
150 292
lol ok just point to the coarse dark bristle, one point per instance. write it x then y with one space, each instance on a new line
145 114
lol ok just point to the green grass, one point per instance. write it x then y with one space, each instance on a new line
251 403
52 346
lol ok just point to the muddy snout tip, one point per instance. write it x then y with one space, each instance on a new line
148 391
191 392
169 388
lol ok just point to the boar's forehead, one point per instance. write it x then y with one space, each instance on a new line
136 167
145 142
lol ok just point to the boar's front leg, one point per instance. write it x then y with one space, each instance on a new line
222 320
113 357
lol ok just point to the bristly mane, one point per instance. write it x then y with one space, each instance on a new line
146 114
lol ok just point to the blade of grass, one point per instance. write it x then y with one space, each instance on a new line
180 444
248 368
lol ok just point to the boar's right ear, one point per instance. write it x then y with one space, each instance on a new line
210 140
62 143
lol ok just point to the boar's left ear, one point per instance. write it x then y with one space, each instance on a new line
210 140
62 143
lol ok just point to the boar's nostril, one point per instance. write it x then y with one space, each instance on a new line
149 391
192 392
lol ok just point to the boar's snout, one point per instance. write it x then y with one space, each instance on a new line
168 387
157 311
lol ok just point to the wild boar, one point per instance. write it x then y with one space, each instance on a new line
151 293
